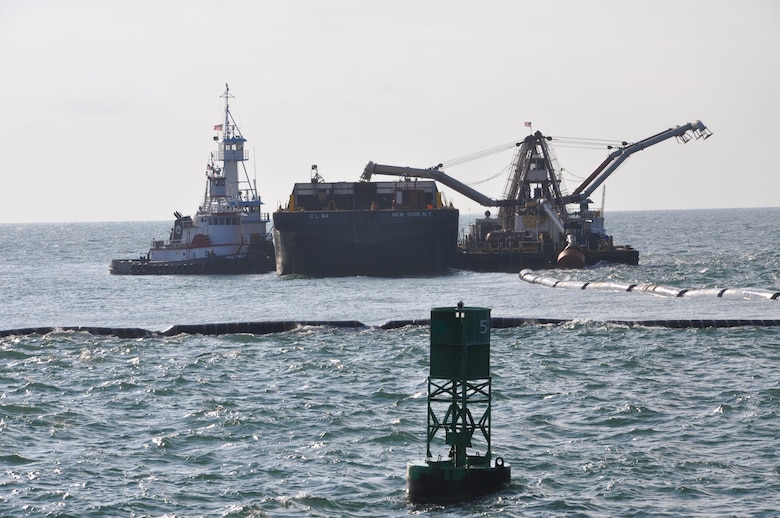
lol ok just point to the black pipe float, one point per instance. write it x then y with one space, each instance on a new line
699 323
507 322
262 328
396 324
666 291
255 328
120 332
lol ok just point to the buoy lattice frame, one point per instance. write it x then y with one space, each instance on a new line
459 384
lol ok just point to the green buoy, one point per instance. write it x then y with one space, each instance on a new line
459 410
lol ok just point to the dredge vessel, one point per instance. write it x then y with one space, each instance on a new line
383 229
538 224
228 233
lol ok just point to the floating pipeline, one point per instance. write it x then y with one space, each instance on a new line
495 322
665 291
120 332
508 322
254 328
264 328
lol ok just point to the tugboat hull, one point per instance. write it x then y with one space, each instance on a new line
252 262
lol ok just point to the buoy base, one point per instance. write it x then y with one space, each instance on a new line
441 482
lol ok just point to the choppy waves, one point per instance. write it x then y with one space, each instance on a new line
595 419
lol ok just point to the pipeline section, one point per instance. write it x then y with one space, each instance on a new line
262 328
666 291
216 329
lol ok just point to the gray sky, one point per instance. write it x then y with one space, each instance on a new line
108 108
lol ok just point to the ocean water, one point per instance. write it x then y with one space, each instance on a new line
596 419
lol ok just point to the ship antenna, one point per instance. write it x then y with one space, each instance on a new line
227 96
254 166
603 195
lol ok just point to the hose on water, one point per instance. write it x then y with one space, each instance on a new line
727 293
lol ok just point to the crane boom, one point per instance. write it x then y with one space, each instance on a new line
617 157
433 174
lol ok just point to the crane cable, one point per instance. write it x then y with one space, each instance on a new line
500 173
570 142
588 143
478 154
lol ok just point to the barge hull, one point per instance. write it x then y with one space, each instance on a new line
513 262
382 243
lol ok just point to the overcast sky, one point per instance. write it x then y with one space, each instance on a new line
108 108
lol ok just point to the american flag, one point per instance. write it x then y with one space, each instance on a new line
527 124
218 127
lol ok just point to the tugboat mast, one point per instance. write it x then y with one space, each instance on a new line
230 153
227 95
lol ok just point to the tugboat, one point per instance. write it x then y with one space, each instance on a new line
228 234
537 227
